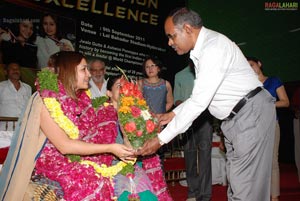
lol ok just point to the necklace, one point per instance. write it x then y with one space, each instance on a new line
153 84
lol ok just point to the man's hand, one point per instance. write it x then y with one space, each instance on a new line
149 147
166 118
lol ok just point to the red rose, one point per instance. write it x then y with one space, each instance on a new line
150 126
130 127
139 133
136 112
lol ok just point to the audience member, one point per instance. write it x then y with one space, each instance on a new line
50 40
156 91
197 149
14 94
277 90
112 92
19 47
295 102
54 145
51 64
97 83
226 84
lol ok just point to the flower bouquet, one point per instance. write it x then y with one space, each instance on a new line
136 121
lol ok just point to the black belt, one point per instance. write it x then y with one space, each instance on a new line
242 102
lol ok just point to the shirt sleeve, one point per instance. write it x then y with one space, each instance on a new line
211 69
278 83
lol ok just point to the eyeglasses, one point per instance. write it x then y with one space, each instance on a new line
151 66
172 36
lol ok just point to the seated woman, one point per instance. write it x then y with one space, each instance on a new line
63 139
151 165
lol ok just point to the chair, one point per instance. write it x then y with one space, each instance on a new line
7 125
174 164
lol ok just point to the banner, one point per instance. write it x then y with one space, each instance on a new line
120 32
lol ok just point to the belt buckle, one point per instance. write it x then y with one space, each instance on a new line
230 116
227 119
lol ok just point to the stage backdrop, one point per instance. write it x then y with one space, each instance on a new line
120 32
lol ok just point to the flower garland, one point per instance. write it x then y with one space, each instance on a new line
56 112
153 169
104 170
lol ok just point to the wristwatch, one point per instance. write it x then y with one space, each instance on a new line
160 142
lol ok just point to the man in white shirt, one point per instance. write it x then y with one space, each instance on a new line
97 83
226 84
14 94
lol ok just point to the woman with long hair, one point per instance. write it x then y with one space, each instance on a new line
65 144
18 45
50 39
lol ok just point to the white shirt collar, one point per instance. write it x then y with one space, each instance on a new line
194 54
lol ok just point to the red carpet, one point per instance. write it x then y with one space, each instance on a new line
289 187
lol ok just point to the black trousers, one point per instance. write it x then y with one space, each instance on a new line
197 153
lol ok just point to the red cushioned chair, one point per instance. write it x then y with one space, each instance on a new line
174 164
7 123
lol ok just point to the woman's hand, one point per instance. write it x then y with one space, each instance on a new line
4 35
123 152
